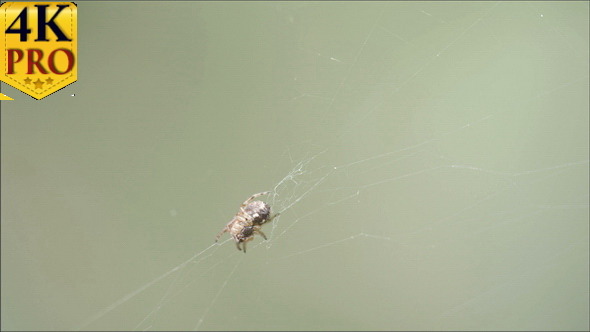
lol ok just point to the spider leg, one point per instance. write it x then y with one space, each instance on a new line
261 234
225 229
238 245
271 218
253 197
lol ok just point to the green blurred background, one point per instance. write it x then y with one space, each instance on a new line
430 160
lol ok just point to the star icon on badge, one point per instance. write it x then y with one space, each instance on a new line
49 81
28 80
38 84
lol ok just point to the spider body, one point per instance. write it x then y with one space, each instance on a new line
248 221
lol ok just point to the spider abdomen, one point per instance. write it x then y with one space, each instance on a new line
258 212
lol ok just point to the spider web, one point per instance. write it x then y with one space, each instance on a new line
334 207
413 204
302 183
337 208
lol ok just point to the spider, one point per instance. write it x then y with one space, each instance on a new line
248 221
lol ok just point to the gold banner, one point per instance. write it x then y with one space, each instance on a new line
39 46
